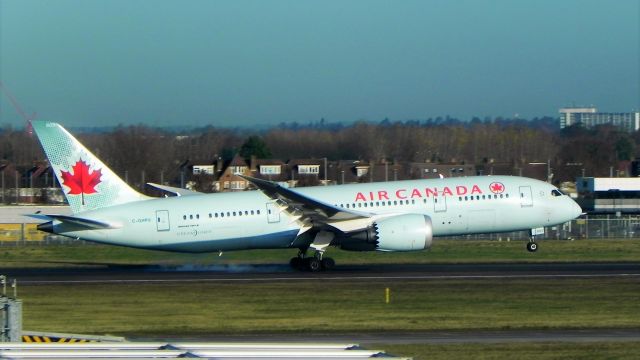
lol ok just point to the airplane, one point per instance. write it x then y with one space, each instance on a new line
380 216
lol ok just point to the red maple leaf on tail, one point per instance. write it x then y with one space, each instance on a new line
81 181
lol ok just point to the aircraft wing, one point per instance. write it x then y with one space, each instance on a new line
174 190
302 206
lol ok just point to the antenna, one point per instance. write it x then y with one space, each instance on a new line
19 109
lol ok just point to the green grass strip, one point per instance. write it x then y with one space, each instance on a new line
443 251
319 306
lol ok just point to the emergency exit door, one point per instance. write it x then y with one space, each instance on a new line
273 212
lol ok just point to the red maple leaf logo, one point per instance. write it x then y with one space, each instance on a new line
496 187
81 181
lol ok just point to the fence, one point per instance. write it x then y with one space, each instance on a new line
589 227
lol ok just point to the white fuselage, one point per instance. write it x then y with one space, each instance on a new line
251 220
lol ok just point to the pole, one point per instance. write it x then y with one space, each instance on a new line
17 186
2 172
387 295
325 171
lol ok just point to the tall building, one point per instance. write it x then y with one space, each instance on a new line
590 117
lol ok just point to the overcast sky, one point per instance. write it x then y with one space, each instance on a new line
244 63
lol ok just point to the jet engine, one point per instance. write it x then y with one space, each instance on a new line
408 232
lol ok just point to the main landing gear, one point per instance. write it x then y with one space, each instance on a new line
314 263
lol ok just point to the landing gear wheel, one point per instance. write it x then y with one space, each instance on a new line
328 263
532 247
296 263
314 264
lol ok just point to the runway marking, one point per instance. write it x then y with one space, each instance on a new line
337 278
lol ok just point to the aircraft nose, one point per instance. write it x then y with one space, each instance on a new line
576 210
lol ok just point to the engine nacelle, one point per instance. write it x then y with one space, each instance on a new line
408 232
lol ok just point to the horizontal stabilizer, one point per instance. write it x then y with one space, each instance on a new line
76 221
173 190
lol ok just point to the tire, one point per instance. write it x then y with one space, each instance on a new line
314 264
532 247
328 263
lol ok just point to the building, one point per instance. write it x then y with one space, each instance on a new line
589 117
609 195
229 179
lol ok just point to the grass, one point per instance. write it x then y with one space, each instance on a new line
203 308
443 251
206 308
522 351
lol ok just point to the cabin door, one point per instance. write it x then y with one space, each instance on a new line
526 199
162 220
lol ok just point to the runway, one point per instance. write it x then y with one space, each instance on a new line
109 273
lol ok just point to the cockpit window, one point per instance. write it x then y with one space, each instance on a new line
556 192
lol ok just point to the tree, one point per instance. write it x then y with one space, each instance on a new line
254 146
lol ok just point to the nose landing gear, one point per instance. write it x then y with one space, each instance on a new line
531 245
